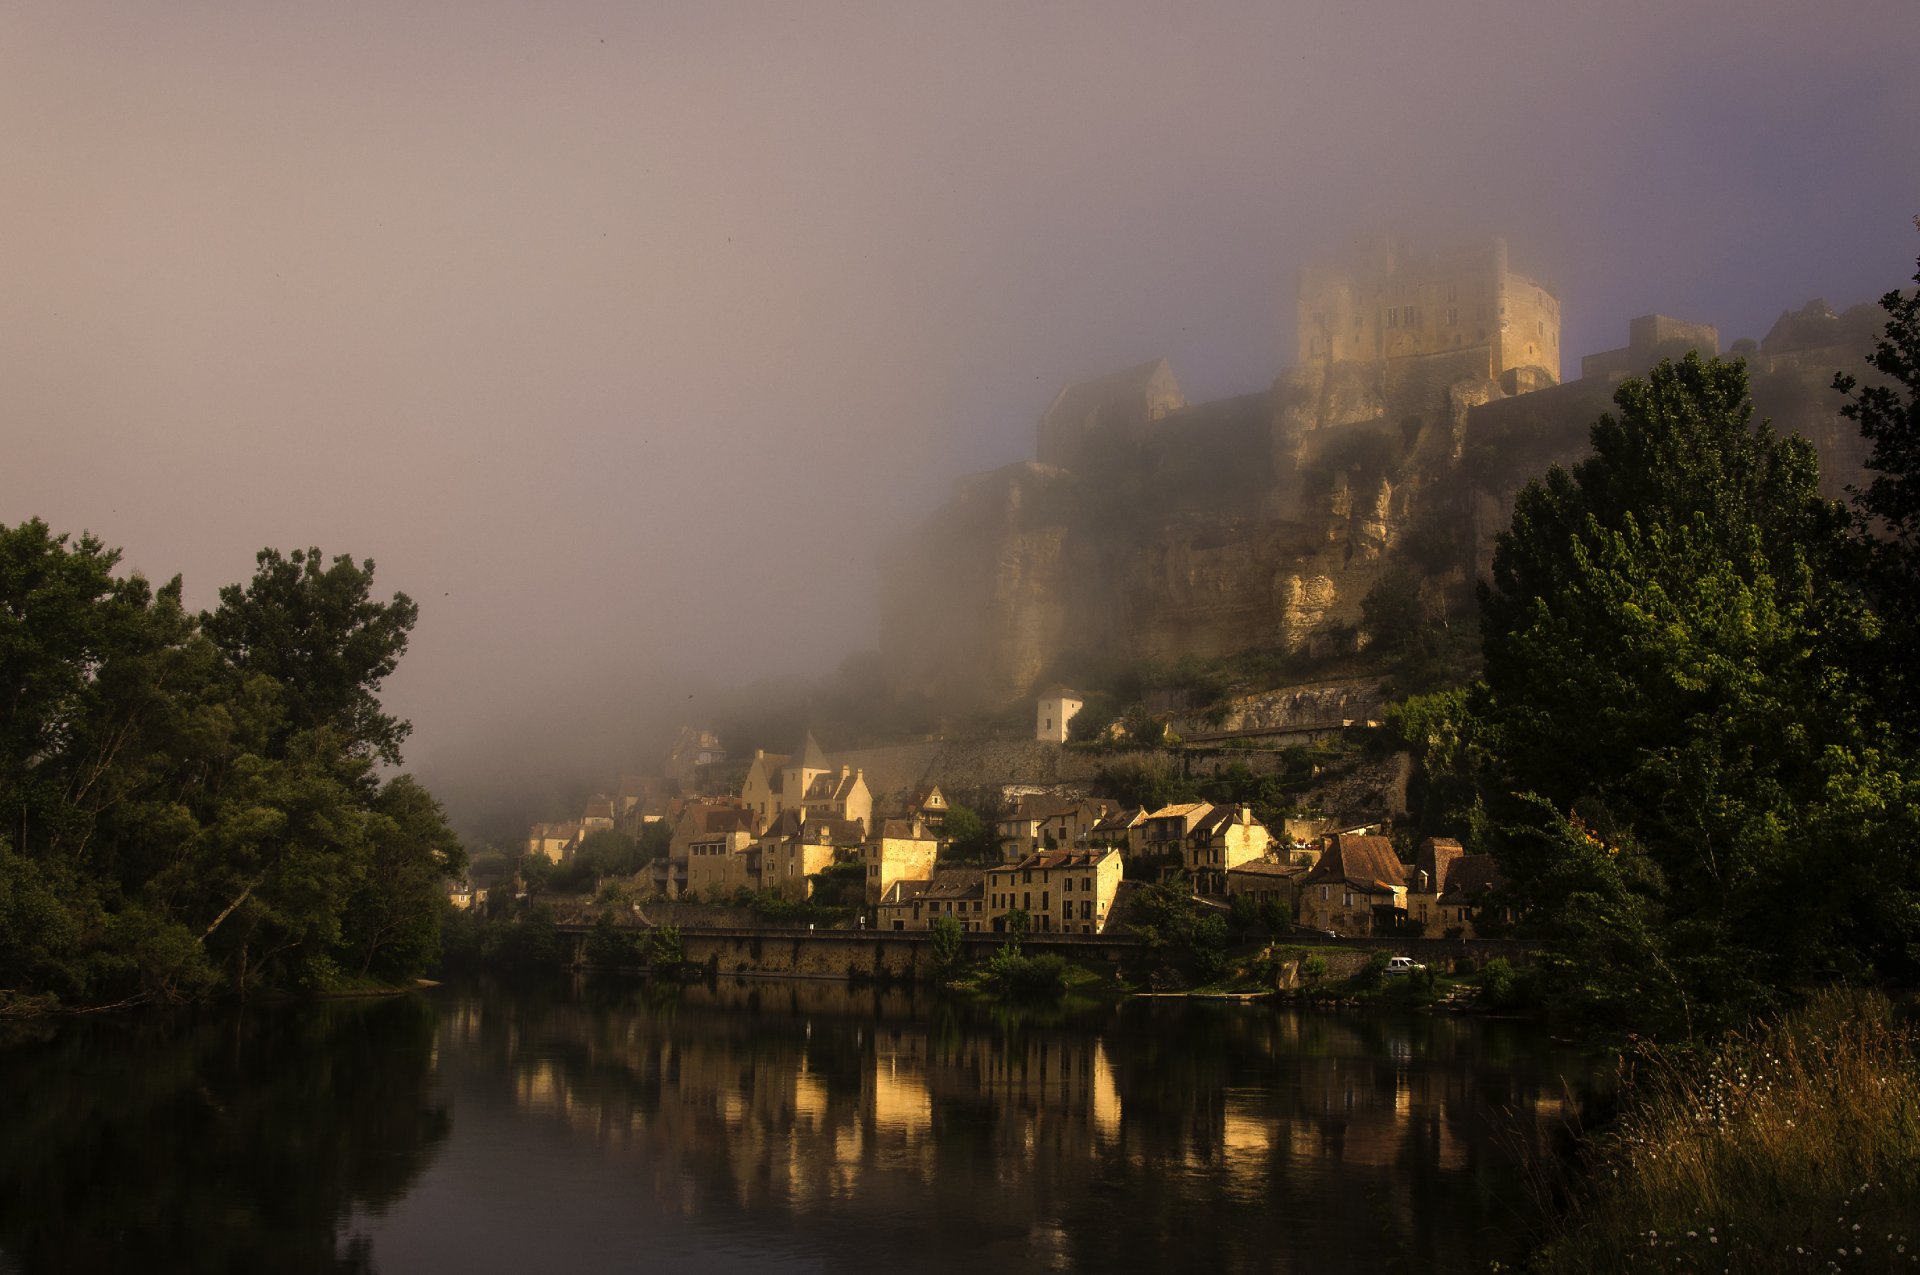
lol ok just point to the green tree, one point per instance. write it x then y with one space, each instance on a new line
969 838
945 947
317 631
391 921
1888 414
1693 791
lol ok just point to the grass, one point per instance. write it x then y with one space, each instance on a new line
1794 1146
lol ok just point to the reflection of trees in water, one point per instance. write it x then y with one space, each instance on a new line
1228 1135
237 1143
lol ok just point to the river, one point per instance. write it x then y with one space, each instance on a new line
767 1125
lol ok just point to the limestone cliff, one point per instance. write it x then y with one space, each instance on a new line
1262 521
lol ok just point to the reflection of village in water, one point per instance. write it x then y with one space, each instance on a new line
780 1102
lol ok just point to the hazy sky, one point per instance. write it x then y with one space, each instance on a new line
623 335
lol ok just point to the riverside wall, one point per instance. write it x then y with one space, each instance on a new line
908 954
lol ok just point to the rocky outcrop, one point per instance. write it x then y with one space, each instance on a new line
1263 521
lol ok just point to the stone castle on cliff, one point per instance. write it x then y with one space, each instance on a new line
1425 390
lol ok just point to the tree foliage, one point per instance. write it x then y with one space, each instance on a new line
1683 747
189 803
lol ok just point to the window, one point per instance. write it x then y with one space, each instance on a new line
1453 318
1407 315
1393 317
1068 887
1045 899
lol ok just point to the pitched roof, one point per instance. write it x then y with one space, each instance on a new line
903 891
1366 862
809 756
1046 859
1082 398
1186 809
903 830
956 883
1268 868
1044 807
1473 875
1435 856
1121 820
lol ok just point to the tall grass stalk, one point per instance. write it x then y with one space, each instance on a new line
1794 1146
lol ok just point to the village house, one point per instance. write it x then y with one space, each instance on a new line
721 862
710 824
1358 887
929 805
1061 891
1427 880
797 845
1056 708
598 816
1448 887
1162 834
899 850
1118 830
777 781
1223 839
1267 881
915 905
840 794
1048 823
555 842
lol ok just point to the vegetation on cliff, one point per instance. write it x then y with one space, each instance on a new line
190 804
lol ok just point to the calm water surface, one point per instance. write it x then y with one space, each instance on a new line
772 1126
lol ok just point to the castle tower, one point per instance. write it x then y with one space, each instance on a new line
1386 303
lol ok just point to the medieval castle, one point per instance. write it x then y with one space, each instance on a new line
1425 390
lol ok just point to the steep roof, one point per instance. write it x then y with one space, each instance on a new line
956 883
1366 862
1268 868
1436 856
1083 398
1473 875
1044 807
1046 859
902 830
809 755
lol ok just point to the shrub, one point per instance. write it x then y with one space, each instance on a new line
1025 977
665 947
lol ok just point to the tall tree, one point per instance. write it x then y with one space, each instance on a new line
318 632
1690 769
1888 413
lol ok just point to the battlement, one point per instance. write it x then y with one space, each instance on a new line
1385 303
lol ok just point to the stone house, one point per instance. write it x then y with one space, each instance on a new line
1223 839
929 805
898 850
1056 708
556 842
915 905
1163 832
597 816
721 862
1107 413
708 823
797 844
1118 829
1358 887
1048 823
1427 881
1061 891
1267 880
778 781
1471 879
840 794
